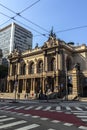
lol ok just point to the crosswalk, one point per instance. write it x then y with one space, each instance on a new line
81 114
15 124
20 124
45 108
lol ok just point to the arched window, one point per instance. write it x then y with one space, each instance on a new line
53 64
40 67
31 68
23 69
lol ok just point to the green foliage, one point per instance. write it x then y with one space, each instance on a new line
3 71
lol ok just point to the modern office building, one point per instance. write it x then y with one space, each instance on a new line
54 67
0 56
13 37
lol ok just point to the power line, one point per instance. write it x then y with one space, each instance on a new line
74 28
33 23
19 14
29 27
29 6
21 23
5 22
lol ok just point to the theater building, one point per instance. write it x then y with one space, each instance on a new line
55 67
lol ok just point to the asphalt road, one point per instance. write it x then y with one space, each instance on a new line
42 116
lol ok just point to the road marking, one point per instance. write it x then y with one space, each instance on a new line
47 108
6 119
55 121
19 114
10 107
68 124
79 113
38 108
58 108
68 108
28 108
2 116
28 127
83 127
27 114
51 129
85 120
35 116
82 116
3 107
19 107
44 118
78 108
12 124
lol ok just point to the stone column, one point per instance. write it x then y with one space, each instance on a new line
27 69
33 85
43 85
75 81
9 87
25 85
56 59
10 73
60 61
45 63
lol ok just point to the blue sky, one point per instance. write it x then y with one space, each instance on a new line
59 14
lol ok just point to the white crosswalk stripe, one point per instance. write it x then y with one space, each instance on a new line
3 116
58 108
47 108
12 124
30 107
44 108
28 127
78 108
16 124
38 108
19 107
7 119
7 108
68 108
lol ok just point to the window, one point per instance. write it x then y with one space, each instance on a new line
53 64
31 68
40 67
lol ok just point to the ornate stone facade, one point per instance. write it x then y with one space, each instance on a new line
54 67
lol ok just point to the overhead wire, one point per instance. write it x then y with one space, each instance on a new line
19 14
21 23
70 29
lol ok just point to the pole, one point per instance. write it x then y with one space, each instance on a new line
15 93
66 85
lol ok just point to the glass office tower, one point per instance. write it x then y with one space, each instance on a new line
13 37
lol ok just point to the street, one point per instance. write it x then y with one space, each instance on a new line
43 116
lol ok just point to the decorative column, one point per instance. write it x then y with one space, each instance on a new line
75 81
45 62
43 85
25 85
33 85
10 73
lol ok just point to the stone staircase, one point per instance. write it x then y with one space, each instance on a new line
12 96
